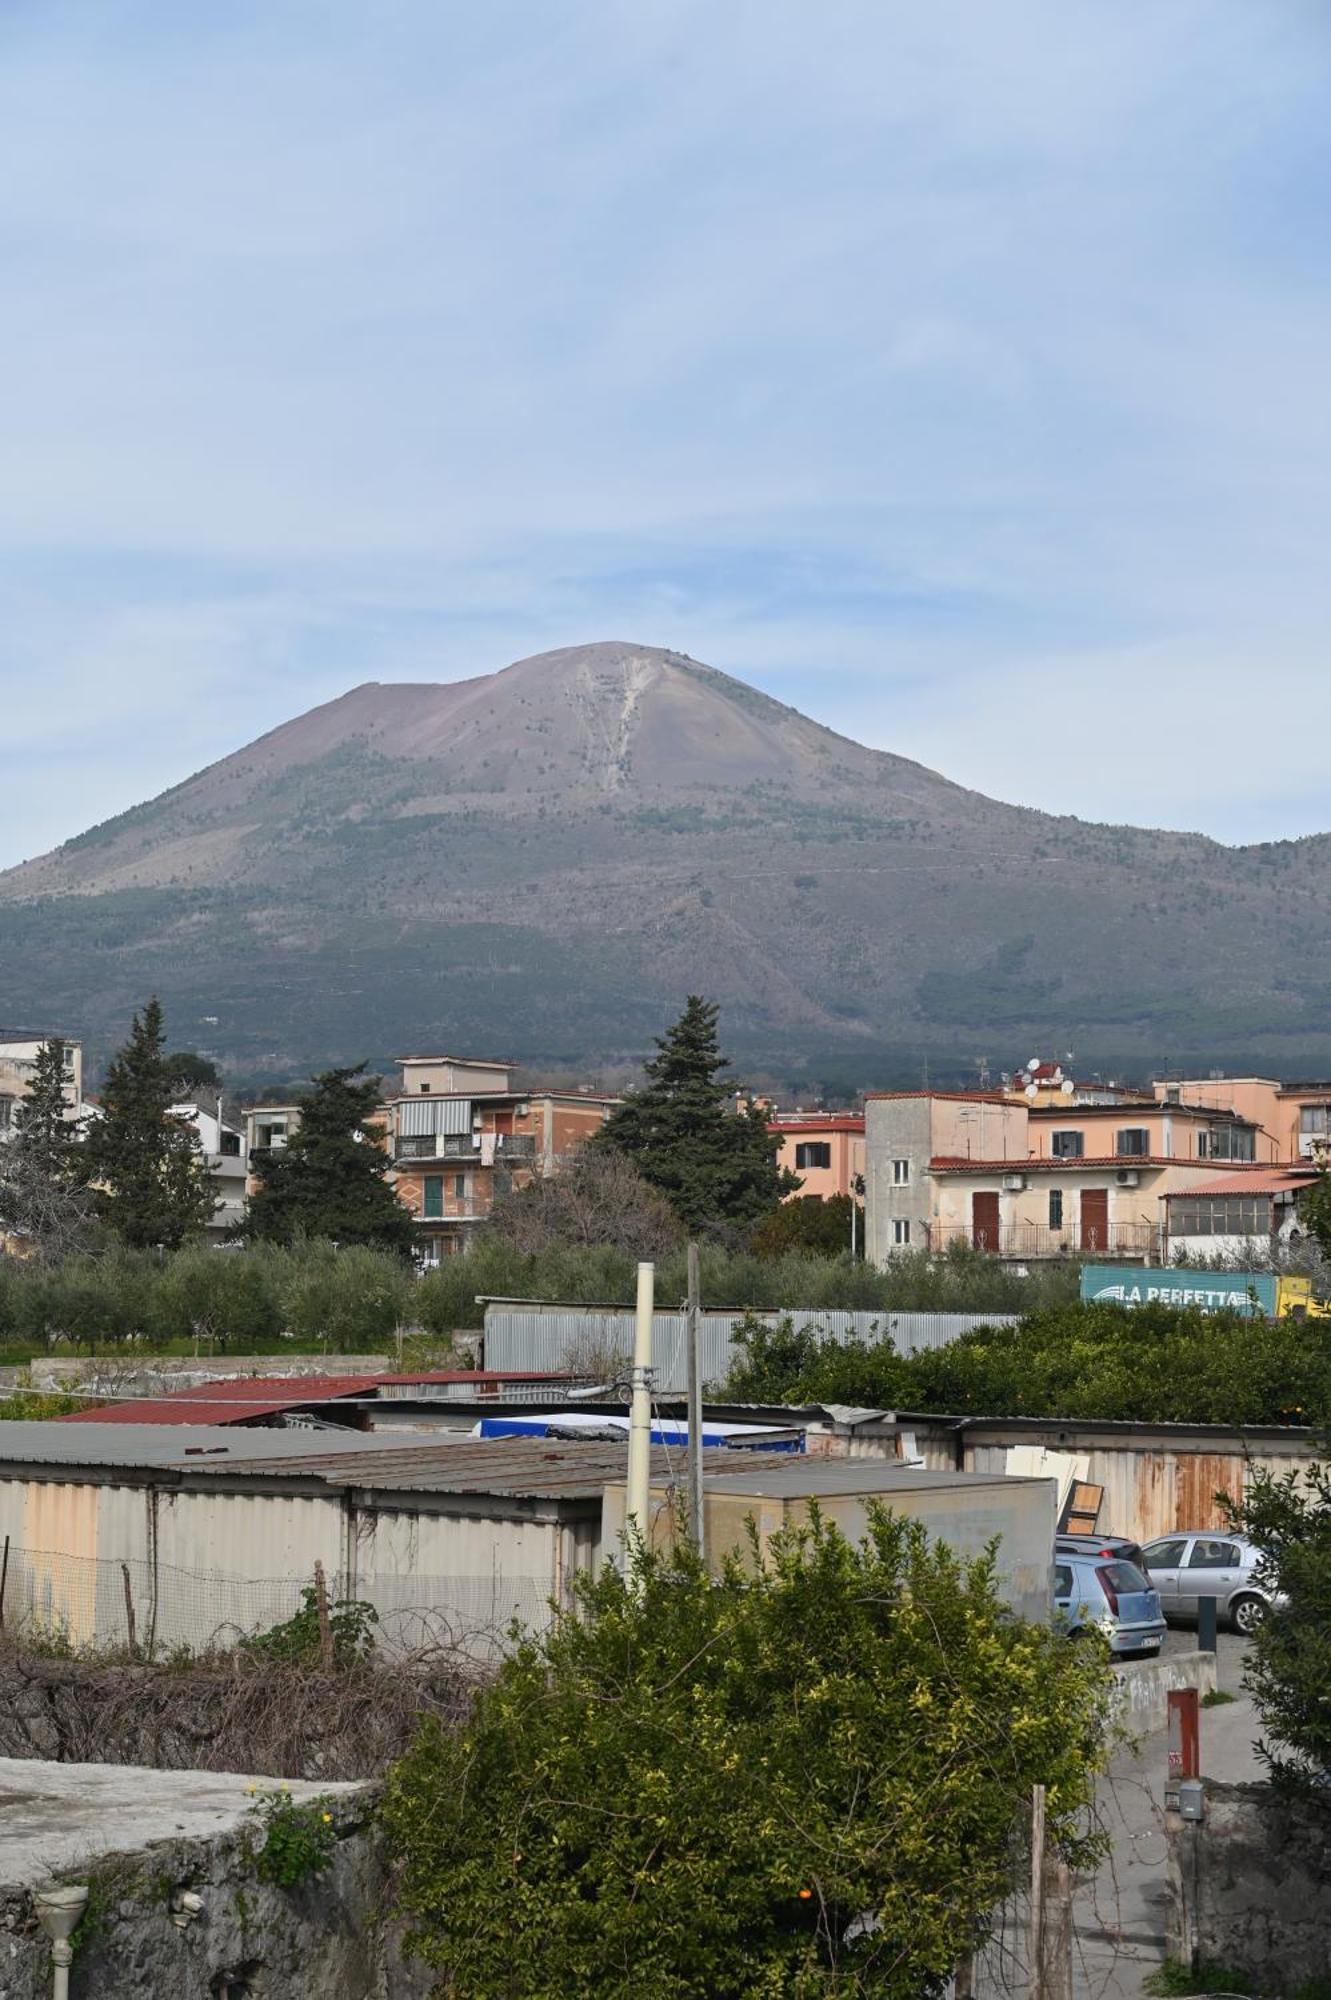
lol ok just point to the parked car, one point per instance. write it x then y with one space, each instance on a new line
1113 1597
1186 1567
1109 1546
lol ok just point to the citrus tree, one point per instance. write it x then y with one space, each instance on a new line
802 1778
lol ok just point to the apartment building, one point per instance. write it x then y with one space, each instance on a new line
825 1148
1029 1179
461 1132
224 1151
1290 1121
268 1127
19 1049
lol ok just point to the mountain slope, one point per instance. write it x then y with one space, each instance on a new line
546 858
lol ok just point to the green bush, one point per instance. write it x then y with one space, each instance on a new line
807 1777
1154 1364
298 1841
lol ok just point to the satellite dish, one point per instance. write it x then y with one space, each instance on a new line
1031 1090
1033 1064
1067 1086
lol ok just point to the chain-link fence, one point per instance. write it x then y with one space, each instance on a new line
77 1604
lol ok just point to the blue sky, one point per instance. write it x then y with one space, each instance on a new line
958 373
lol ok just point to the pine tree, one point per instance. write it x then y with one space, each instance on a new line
330 1179
44 1135
146 1165
714 1164
44 1199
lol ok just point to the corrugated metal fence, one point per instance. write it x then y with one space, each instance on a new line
593 1338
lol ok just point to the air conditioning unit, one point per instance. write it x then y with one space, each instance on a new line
1013 1183
1127 1177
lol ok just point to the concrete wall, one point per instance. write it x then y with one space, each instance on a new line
1250 1888
1144 1688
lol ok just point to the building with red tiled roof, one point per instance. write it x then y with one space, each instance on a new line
1036 1176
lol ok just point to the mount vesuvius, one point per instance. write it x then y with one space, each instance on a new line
541 862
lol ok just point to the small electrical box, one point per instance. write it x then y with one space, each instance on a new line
1187 1798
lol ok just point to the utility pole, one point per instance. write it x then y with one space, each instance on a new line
697 1515
638 1491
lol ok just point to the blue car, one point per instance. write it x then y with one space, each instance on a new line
1092 1594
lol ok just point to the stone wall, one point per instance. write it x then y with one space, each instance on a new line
1250 1887
249 1939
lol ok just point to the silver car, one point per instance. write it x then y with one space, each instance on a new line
1187 1567
1112 1597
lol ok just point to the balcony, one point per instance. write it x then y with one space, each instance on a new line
436 1146
1030 1241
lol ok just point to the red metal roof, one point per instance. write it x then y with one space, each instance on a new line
243 1398
233 1402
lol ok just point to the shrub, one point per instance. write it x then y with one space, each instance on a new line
298 1841
1289 1668
803 1777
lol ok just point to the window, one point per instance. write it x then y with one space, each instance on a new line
1207 1554
432 1204
1132 1144
1315 1121
813 1153
1227 1142
461 1187
425 1086
1122 1576
900 1231
1067 1145
901 1173
1055 1208
1062 1580
231 1145
1220 1215
1164 1555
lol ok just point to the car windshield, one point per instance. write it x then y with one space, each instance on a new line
1123 1576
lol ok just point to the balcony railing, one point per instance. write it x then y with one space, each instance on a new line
515 1146
1030 1239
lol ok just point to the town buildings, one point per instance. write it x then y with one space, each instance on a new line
1046 1168
461 1132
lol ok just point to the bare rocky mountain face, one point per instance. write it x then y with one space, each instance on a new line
542 861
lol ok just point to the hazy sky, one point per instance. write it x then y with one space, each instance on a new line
957 372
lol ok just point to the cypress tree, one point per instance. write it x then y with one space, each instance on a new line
146 1165
330 1178
714 1163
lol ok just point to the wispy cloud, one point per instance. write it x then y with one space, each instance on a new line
957 373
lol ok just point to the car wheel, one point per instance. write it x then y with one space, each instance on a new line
1247 1614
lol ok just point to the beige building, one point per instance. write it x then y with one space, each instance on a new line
825 1148
1291 1121
1029 1180
18 1061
